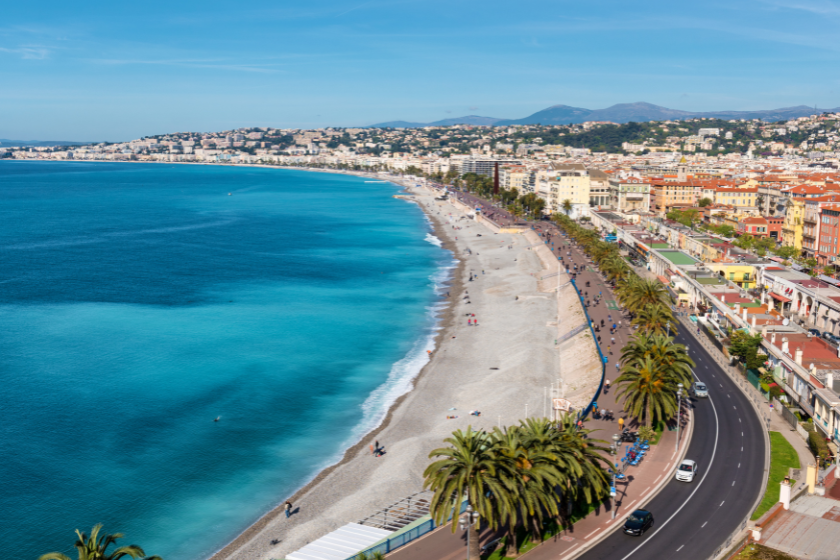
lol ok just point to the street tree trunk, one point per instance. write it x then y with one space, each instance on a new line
475 546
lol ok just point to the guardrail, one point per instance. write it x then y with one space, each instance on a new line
594 400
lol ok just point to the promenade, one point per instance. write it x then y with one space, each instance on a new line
642 482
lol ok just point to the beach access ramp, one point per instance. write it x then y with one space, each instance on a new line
341 544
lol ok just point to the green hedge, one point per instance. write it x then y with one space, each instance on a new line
816 442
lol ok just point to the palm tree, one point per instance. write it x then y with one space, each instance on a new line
470 467
646 292
649 393
95 547
567 206
654 319
673 359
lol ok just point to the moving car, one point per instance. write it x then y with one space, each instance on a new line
638 522
699 389
686 471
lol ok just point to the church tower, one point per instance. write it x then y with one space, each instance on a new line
682 170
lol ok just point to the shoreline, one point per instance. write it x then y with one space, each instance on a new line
444 324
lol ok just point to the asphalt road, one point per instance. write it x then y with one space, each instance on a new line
692 519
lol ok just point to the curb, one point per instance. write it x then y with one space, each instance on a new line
608 530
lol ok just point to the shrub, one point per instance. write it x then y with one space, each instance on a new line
816 442
646 433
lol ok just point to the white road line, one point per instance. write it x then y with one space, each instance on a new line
704 524
728 396
733 483
739 420
739 465
742 434
680 548
696 488
657 478
742 449
592 533
721 504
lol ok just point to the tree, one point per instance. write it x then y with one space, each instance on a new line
96 546
787 252
745 347
703 202
470 467
643 293
649 393
654 318
567 206
672 358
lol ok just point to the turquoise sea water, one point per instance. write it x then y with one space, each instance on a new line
138 302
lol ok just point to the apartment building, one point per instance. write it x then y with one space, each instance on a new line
630 194
743 200
599 189
668 195
514 177
561 182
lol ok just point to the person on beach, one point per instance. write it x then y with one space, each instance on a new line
288 508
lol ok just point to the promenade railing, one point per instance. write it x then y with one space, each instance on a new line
603 358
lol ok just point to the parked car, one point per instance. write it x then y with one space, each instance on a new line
815 332
831 338
638 522
699 389
686 471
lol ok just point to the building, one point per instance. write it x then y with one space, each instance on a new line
743 200
630 194
483 166
668 195
599 189
794 223
559 183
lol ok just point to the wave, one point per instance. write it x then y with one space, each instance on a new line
433 240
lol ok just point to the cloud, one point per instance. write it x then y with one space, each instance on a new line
189 63
28 52
473 108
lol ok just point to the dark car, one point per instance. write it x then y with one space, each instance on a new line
831 338
815 332
639 521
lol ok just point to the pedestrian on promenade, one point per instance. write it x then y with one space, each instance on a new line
612 340
607 388
609 349
288 507
620 423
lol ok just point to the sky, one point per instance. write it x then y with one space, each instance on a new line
112 71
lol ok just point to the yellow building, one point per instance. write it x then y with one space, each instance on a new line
794 223
559 183
741 274
740 199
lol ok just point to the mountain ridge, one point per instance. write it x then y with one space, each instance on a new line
619 113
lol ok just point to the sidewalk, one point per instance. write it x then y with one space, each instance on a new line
642 482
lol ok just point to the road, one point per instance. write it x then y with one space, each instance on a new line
692 519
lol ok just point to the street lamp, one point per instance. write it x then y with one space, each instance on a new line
679 414
466 522
613 450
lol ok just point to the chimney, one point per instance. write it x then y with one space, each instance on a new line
723 298
813 369
764 330
737 309
744 313
773 339
753 322
797 357
829 380
785 348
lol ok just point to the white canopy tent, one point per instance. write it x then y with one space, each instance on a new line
341 544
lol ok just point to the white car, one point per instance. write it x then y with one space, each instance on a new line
686 471
700 390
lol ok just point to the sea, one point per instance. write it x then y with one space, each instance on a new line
182 347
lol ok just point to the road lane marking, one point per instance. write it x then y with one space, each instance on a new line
742 434
680 548
733 483
728 396
739 420
704 524
742 449
592 533
657 478
739 465
696 488
721 504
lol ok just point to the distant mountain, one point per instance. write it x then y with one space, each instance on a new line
620 113
470 119
6 143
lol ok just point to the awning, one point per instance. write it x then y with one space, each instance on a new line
663 280
777 297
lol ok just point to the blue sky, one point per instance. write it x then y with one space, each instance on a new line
95 70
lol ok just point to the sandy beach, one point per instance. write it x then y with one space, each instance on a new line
502 367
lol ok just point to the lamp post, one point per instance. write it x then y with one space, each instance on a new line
613 451
466 522
679 414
